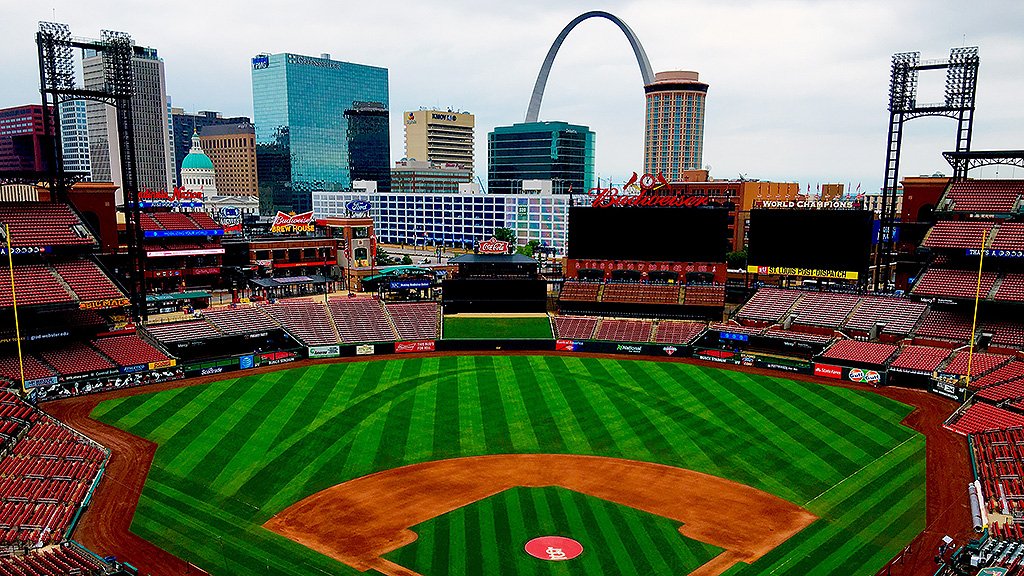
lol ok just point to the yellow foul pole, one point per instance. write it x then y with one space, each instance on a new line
14 301
977 297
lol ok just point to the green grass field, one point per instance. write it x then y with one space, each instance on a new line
624 540
233 453
495 328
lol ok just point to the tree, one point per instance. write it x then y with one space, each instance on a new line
383 258
406 260
736 260
529 248
505 234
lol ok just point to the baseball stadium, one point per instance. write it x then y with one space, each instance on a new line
266 398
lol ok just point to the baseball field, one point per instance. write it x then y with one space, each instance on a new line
255 475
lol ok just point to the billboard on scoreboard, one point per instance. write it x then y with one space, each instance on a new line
820 243
649 234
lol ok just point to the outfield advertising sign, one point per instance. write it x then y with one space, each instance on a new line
415 346
365 350
331 351
857 375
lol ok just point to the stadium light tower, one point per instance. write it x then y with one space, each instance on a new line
961 85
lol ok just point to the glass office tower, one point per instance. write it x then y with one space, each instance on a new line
302 131
556 151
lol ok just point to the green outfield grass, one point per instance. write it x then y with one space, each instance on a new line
616 539
495 328
233 453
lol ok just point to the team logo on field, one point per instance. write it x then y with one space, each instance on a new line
554 548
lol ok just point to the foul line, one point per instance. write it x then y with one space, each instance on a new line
894 448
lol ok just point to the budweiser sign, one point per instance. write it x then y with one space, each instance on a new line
646 190
493 246
293 222
178 193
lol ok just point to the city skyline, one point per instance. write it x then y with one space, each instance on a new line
798 89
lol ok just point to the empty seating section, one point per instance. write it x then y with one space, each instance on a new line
953 283
181 331
981 363
737 328
52 561
769 305
129 350
825 310
990 196
361 320
677 332
203 220
575 327
148 223
999 462
86 280
980 416
899 316
75 358
624 330
306 320
580 291
920 358
175 221
1011 288
34 368
1005 334
240 320
945 325
860 352
34 284
958 234
778 333
704 295
1010 390
43 224
1009 236
641 293
1004 373
415 320
43 481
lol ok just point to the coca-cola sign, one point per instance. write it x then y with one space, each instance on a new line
646 190
494 246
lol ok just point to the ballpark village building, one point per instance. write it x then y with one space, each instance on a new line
456 219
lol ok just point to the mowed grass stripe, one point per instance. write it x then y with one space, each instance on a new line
852 415
595 414
419 441
447 429
482 554
306 395
542 422
202 461
497 435
181 428
472 440
563 416
733 390
153 411
522 435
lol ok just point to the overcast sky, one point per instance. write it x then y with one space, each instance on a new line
798 89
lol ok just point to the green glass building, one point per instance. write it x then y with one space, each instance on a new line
556 151
302 109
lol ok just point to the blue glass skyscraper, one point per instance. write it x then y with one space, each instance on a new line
302 129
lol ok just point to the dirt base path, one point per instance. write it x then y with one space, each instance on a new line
359 521
104 527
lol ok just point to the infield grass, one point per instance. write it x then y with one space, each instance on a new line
233 453
496 328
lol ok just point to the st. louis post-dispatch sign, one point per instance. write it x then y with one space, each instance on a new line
812 272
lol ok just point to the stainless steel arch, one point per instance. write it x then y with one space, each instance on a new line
542 79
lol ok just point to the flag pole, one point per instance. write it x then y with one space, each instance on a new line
977 296
14 301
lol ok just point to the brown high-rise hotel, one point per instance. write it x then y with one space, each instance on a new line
232 148
674 125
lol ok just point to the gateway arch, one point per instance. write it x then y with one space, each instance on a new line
542 79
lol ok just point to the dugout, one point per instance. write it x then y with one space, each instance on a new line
489 283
